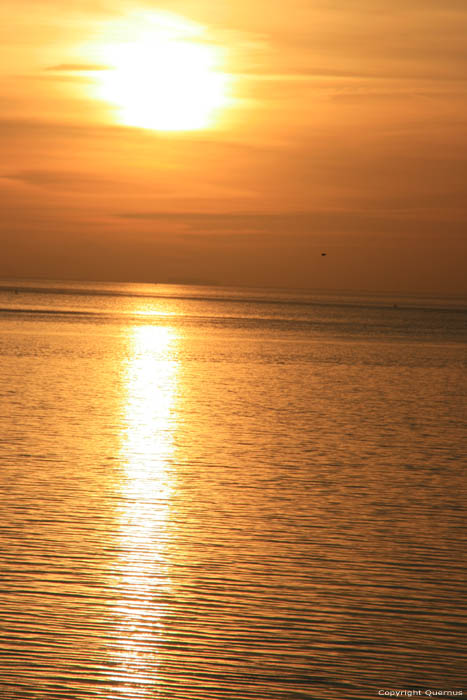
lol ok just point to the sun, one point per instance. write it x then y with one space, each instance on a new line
163 76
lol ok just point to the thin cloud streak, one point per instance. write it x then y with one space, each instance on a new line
77 67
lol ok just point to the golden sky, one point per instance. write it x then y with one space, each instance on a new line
234 142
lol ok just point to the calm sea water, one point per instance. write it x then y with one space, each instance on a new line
230 494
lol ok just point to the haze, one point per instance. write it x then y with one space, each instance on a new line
336 127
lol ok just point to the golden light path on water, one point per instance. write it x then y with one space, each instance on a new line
145 492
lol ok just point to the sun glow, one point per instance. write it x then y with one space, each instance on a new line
163 75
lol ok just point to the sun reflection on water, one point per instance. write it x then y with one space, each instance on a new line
143 511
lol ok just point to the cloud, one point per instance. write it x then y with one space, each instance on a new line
354 39
77 67
173 145
58 179
293 223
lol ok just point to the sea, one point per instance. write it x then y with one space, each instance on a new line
214 493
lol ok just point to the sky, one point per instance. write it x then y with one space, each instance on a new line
235 142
